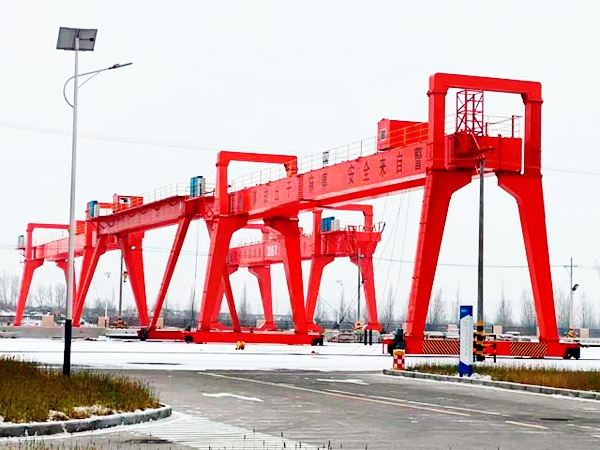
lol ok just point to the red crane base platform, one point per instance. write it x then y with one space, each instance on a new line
523 349
252 337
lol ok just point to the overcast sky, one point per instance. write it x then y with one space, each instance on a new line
294 77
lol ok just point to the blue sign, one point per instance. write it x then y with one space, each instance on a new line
465 359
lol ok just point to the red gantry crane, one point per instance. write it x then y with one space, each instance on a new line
333 242
406 155
326 243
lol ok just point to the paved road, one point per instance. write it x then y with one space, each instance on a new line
352 411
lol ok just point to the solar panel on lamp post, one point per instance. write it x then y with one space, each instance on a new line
74 39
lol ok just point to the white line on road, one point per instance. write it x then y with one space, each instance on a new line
530 425
340 394
227 394
458 408
343 380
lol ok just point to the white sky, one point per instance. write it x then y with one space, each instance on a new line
300 78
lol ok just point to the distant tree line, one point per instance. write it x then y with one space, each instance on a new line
443 308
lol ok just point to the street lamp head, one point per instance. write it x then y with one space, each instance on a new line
575 286
67 38
116 66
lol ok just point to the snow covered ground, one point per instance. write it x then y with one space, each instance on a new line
154 355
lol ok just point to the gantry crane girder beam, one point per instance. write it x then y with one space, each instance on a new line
336 244
158 214
58 250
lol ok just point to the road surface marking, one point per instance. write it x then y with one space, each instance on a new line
227 394
458 408
340 394
341 380
530 425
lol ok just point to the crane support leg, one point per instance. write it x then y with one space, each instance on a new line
527 190
292 263
215 324
91 255
317 265
439 187
131 246
221 229
263 275
28 269
368 283
182 228
235 321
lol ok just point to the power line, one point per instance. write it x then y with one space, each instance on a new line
129 140
199 146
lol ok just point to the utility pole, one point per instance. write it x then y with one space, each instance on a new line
121 287
479 346
358 287
480 257
106 300
572 289
571 303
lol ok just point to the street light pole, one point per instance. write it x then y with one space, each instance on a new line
479 345
572 289
480 251
71 257
74 39
341 283
121 288
69 39
358 289
106 300
571 303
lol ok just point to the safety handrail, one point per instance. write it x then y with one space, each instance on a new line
494 126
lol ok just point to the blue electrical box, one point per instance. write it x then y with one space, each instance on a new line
197 186
326 223
93 210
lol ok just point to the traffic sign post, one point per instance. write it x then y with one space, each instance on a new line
465 360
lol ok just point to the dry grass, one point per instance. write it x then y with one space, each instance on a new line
30 393
551 377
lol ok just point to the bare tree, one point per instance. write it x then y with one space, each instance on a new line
42 297
15 286
504 312
386 316
404 310
167 311
60 296
456 307
528 315
437 309
586 311
342 309
320 311
4 289
561 302
243 308
97 308
192 302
